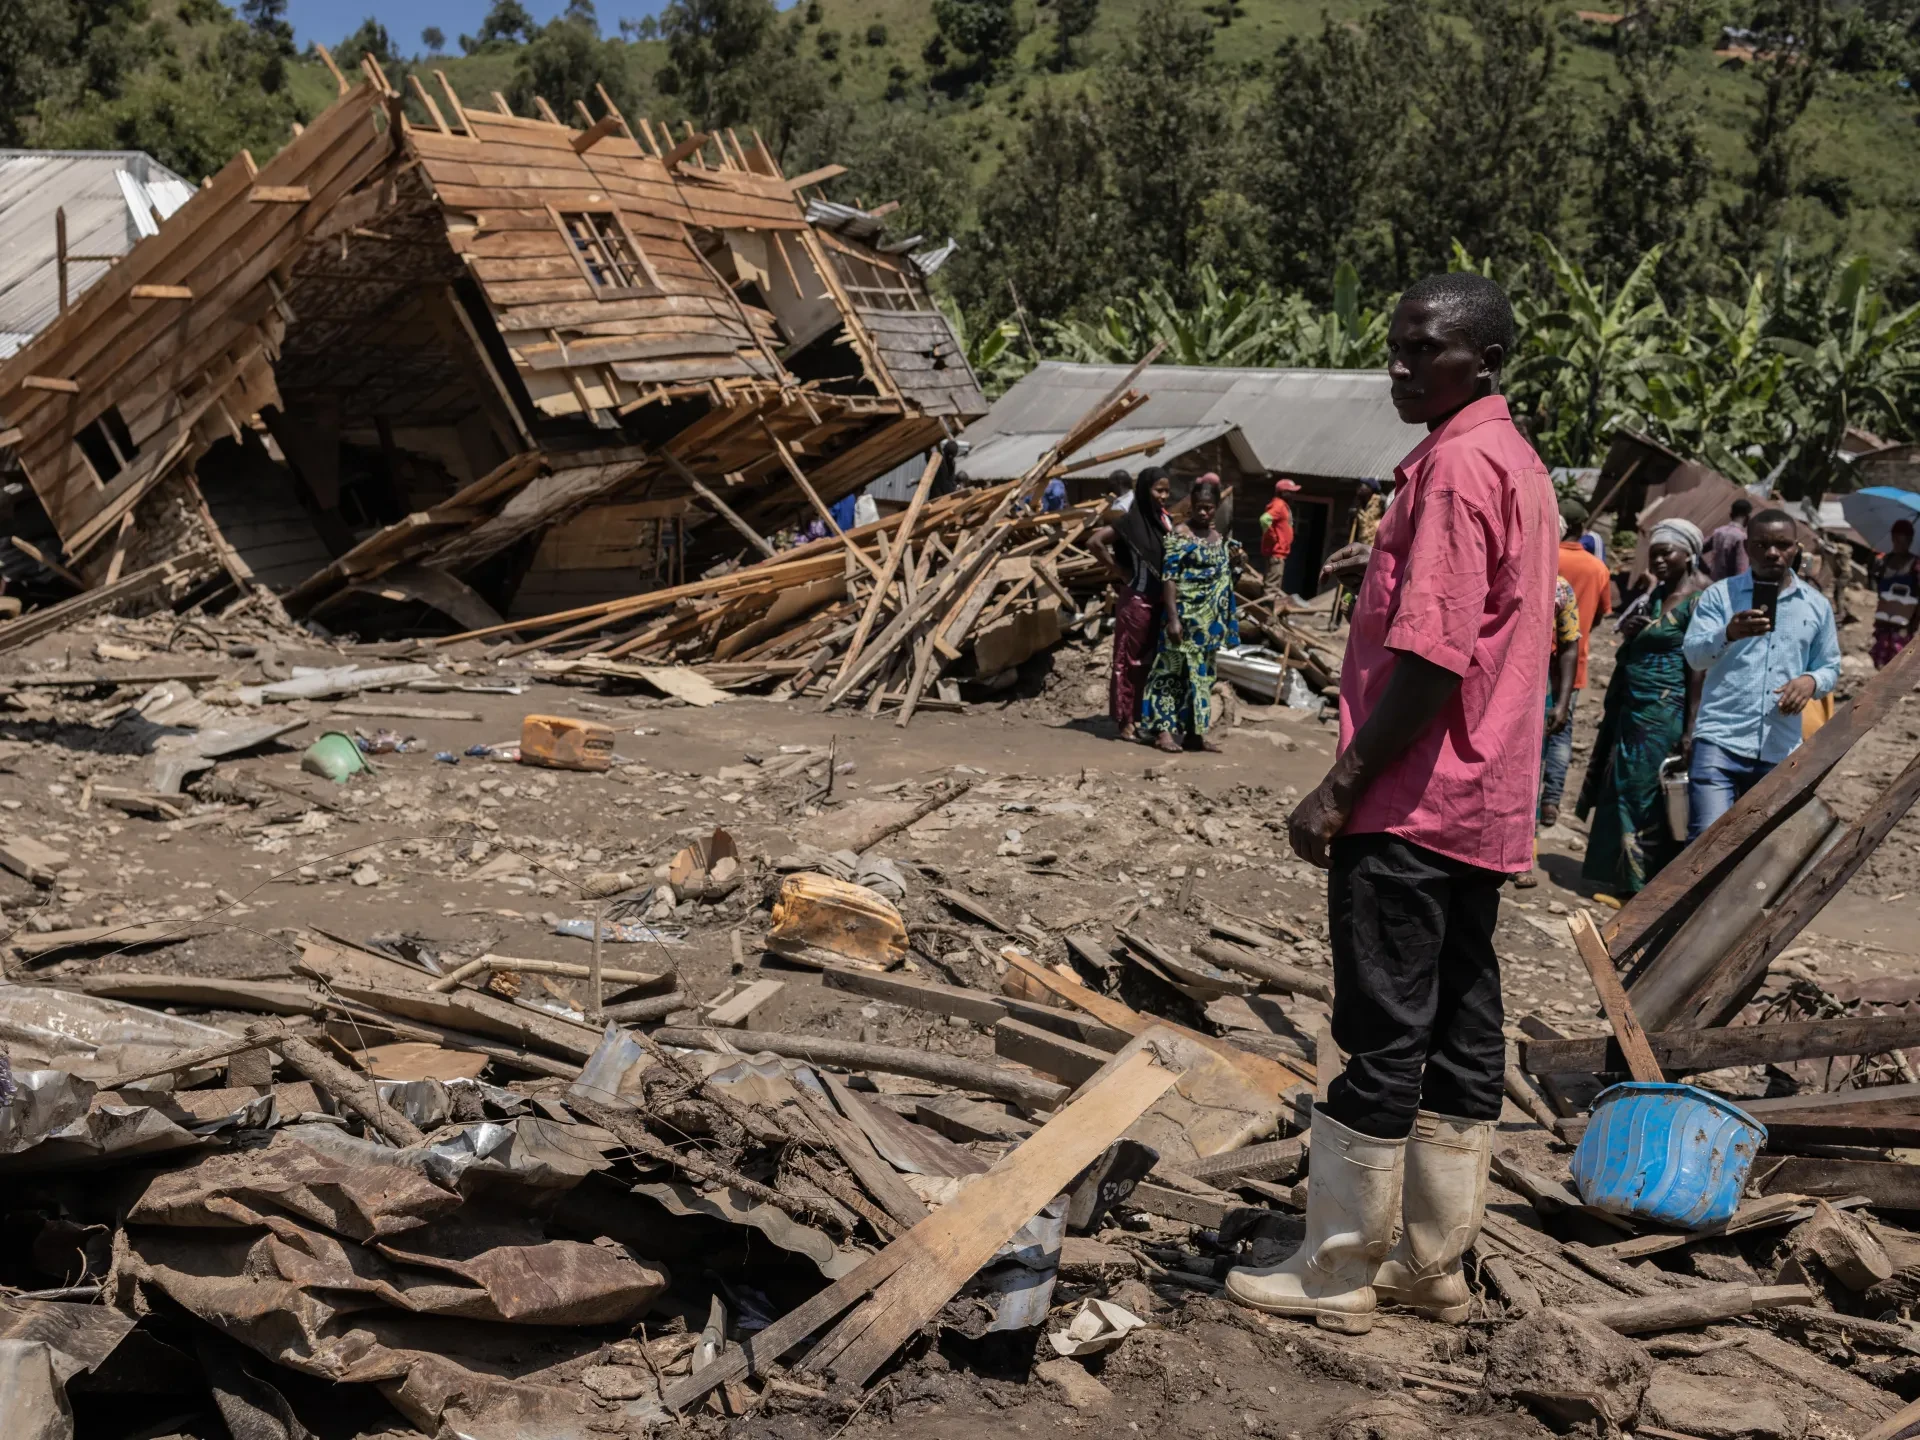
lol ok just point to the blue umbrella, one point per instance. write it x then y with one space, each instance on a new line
1873 511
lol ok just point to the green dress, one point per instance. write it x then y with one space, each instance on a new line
1178 699
1646 709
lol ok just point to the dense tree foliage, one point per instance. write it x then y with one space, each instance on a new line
1114 183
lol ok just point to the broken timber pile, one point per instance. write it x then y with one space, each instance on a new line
502 1219
881 610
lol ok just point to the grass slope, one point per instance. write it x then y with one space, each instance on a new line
1862 134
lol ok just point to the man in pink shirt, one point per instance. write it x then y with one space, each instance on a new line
1429 807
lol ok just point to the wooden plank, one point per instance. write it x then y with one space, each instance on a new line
1065 1060
1613 997
878 599
1000 1081
1693 1050
602 128
1275 1159
1788 786
850 1142
1731 983
963 1235
53 384
32 861
280 195
959 1237
738 1011
1275 1076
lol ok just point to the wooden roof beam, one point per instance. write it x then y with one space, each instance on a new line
453 99
602 128
815 177
687 147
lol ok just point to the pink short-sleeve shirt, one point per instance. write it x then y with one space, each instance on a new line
1462 575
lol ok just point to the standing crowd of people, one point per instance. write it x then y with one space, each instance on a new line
1725 661
1174 606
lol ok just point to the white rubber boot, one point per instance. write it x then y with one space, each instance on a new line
1443 1197
1353 1199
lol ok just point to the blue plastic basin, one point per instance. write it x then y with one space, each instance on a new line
1673 1154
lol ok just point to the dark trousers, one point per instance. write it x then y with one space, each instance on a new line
1416 985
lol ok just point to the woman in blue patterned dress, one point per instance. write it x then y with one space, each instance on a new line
1177 704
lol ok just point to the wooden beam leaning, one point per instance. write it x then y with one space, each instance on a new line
1732 982
280 195
1671 893
815 177
1711 1049
720 507
819 505
1613 996
957 1239
877 600
602 128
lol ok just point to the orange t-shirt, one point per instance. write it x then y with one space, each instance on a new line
1593 587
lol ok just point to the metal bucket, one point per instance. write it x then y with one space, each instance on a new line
1673 1154
1673 794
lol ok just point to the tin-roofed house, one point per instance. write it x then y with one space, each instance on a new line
65 217
466 359
1328 430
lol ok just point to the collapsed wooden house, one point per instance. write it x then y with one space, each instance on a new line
491 363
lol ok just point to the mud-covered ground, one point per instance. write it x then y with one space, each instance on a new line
1063 831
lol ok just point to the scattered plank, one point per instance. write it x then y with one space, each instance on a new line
1272 974
995 1080
400 712
955 1241
1050 1054
1671 894
737 1011
1731 983
1688 1050
260 997
29 946
32 861
1887 1184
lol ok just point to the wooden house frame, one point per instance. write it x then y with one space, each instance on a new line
430 343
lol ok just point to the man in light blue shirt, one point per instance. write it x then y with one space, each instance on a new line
1760 673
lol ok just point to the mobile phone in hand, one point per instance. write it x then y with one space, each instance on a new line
1766 596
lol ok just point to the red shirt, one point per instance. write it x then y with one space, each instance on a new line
1593 588
1462 575
1278 539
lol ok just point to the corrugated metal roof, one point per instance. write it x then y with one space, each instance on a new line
1339 424
109 197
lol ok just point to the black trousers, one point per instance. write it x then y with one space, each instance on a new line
1416 985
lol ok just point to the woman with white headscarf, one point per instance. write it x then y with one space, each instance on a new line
1648 719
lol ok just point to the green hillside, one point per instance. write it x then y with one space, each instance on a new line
192 83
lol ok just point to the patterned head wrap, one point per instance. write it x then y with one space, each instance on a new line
1678 532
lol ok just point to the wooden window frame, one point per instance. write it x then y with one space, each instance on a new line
99 424
608 213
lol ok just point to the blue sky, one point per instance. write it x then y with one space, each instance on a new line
330 20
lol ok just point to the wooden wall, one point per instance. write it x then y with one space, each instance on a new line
182 371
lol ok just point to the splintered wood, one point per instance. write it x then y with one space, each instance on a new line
877 614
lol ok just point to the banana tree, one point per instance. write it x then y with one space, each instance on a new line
1721 398
1346 337
1584 362
1853 360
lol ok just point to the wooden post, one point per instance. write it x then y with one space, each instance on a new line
1613 996
60 252
594 979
